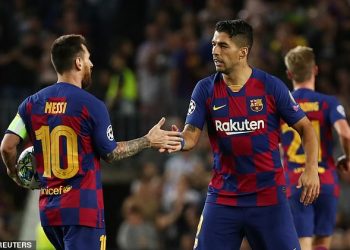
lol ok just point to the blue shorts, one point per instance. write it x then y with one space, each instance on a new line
76 237
315 219
269 227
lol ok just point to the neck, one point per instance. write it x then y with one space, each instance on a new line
238 76
70 78
309 84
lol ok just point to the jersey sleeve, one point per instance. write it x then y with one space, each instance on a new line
288 108
197 109
336 110
102 132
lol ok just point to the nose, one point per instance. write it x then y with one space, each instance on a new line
214 50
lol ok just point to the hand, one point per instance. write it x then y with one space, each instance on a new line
175 149
14 176
163 139
343 163
310 183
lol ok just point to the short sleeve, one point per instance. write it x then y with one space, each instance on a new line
22 109
197 108
288 108
336 110
102 131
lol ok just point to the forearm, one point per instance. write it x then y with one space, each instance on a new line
343 130
345 144
125 149
344 137
9 158
310 144
190 136
9 154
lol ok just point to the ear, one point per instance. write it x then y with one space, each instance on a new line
315 70
243 52
78 63
289 75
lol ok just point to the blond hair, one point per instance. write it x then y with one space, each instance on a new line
299 62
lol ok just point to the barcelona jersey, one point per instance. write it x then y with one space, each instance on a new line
323 111
70 130
244 133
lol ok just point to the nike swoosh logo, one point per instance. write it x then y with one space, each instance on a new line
219 107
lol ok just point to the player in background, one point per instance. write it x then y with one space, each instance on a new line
242 107
71 130
324 112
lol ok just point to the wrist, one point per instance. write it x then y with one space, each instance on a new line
182 144
147 141
11 172
311 167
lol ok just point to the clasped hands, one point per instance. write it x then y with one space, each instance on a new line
164 140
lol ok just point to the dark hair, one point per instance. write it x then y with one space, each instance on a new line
239 29
64 50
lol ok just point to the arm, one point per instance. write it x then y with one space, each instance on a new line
191 136
125 149
309 179
343 130
156 138
196 117
9 155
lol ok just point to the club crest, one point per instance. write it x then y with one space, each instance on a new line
256 105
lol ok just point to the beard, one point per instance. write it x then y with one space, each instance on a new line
86 81
222 70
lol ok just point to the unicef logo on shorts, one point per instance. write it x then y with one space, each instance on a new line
109 133
191 108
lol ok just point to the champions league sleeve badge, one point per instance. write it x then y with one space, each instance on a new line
191 107
109 133
341 110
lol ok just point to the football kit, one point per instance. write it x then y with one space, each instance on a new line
323 111
248 186
70 130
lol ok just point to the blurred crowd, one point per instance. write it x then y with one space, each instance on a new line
148 56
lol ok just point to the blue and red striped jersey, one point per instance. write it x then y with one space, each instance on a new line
244 132
70 130
323 111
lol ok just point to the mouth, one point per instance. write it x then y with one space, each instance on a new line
218 62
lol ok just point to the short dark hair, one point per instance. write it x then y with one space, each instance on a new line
239 29
64 50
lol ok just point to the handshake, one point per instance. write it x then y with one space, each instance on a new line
164 140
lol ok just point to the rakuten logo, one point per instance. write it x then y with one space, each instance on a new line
239 127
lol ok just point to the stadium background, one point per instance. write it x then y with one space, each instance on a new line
147 57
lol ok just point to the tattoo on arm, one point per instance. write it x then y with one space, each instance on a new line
128 148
